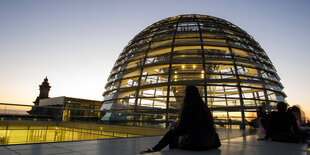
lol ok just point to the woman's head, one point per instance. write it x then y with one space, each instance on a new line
191 90
192 96
295 110
281 107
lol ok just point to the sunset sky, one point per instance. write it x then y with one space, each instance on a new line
76 42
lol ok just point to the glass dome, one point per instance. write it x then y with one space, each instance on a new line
231 70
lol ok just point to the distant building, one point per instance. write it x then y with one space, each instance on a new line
44 90
72 109
64 108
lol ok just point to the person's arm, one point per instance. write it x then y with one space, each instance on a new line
294 124
299 124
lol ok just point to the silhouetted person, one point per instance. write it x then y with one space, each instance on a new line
195 128
261 111
283 126
304 131
261 116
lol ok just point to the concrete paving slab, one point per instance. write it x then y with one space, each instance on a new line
6 151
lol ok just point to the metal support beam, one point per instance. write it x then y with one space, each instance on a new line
170 68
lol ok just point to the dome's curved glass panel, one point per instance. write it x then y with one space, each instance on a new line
232 71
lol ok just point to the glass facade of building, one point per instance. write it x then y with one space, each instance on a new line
231 70
21 132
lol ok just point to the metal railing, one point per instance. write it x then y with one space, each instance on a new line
147 117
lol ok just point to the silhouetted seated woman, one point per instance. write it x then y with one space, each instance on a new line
304 131
195 128
283 126
296 112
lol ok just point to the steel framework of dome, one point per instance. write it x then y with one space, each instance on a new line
231 70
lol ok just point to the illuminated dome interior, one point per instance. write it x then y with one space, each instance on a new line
231 70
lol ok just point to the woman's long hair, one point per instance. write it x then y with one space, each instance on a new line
194 112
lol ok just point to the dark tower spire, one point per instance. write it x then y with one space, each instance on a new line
44 90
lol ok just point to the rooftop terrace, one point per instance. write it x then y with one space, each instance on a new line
233 142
